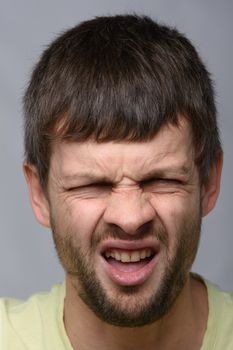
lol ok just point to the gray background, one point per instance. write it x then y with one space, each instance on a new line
28 261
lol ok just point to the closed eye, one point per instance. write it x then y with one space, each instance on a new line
161 180
161 185
90 190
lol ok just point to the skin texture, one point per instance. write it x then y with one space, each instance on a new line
148 193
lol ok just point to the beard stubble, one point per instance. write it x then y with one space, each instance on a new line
130 308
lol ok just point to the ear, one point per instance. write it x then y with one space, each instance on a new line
38 199
211 188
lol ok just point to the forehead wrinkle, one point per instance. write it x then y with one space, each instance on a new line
157 165
118 162
170 159
69 164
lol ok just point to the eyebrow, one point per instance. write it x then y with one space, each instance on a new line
154 173
163 172
87 176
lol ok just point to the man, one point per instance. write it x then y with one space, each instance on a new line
123 159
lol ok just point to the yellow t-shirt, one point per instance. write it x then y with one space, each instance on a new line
37 324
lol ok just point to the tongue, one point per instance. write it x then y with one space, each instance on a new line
127 266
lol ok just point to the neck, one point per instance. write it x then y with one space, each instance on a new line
185 323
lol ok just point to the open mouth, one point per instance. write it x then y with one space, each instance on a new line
128 261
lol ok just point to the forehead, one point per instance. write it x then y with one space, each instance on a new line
170 147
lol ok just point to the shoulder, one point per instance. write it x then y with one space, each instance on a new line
220 302
24 322
18 310
219 333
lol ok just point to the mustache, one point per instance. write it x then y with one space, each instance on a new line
145 231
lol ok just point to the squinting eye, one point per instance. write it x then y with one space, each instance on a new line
91 190
161 185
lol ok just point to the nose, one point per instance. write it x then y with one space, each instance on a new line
129 211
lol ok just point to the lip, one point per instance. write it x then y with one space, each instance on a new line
130 278
130 245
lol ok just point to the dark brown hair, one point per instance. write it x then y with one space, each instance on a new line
118 78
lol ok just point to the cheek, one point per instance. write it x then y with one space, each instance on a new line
173 210
78 217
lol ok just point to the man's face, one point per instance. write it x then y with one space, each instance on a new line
126 222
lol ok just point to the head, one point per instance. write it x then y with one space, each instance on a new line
116 95
118 78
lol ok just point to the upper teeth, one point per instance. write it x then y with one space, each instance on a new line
129 256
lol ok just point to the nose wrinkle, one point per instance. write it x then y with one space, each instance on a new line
126 187
129 211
